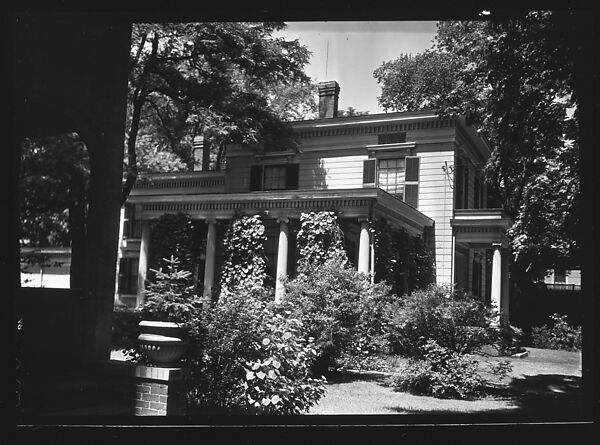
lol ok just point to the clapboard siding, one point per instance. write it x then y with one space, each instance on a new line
435 201
340 172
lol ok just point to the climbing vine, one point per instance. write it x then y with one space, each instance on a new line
319 239
244 251
403 261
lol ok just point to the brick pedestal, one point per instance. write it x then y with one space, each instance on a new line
159 391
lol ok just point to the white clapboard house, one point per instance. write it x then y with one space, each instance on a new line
419 172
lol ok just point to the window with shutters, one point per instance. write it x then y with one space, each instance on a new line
398 177
274 177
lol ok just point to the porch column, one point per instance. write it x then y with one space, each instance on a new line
282 256
119 252
497 277
143 263
504 292
209 264
364 247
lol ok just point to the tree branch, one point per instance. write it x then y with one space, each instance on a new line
139 97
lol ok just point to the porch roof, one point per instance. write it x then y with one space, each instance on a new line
480 226
350 203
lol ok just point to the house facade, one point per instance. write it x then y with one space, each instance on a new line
417 171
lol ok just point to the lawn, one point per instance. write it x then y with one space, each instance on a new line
545 385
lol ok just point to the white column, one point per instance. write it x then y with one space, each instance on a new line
119 252
143 263
496 277
372 267
209 263
282 257
364 247
504 298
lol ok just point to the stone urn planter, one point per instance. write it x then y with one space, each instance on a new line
163 343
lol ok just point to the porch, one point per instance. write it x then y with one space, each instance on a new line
481 255
281 211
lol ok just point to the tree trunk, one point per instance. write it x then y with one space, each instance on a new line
77 214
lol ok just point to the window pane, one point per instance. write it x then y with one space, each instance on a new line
391 176
274 177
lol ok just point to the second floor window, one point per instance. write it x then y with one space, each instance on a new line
391 176
274 177
398 177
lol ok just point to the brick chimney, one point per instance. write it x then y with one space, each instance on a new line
328 99
201 154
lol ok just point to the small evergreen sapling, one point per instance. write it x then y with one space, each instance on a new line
172 296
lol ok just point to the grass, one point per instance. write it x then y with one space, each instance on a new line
545 385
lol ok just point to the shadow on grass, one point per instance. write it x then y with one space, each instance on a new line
533 398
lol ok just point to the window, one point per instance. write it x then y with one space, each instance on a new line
560 276
398 176
274 177
391 176
128 275
132 227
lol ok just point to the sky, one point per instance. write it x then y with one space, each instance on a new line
349 52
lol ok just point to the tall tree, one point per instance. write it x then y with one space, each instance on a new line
54 185
515 80
213 79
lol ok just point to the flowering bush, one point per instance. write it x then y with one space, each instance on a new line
453 319
248 359
557 335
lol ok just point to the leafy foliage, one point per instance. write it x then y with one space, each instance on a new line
214 79
248 359
403 261
558 334
319 239
441 373
515 80
245 261
339 308
453 319
173 235
172 296
53 179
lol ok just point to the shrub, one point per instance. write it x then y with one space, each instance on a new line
172 296
248 359
341 309
453 319
557 335
441 373
245 261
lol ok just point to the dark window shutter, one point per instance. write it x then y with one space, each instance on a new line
466 188
411 194
412 169
369 171
256 178
291 176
